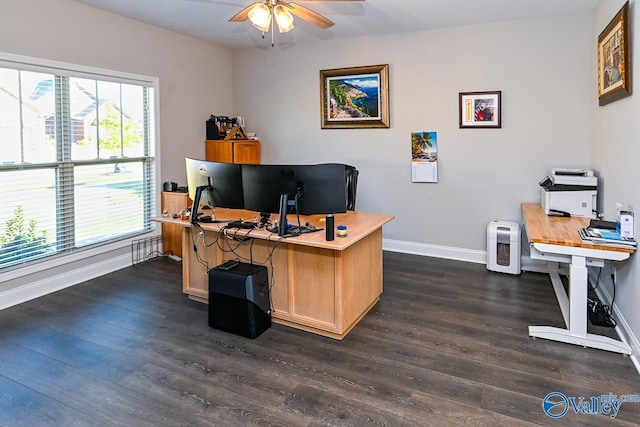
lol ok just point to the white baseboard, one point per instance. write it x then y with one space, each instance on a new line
436 251
623 329
46 286
458 254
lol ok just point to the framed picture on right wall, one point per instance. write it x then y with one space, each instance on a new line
614 65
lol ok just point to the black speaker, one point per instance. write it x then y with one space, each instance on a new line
239 299
329 224
213 132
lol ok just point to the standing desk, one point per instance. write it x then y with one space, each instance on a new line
556 239
320 286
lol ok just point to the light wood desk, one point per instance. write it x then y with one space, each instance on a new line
319 286
556 239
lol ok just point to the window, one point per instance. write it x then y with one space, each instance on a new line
76 159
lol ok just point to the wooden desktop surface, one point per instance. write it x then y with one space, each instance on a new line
359 225
555 230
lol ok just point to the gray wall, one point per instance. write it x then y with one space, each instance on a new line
615 129
542 67
189 73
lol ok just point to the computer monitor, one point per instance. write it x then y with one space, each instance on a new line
351 185
317 189
214 184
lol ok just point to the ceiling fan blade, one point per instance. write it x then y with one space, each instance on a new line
243 15
310 16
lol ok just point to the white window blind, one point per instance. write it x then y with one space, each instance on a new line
76 160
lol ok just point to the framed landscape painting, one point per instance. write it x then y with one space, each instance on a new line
356 97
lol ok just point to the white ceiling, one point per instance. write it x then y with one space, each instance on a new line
208 19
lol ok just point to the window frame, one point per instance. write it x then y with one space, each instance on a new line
26 63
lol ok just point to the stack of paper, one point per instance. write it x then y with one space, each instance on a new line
606 237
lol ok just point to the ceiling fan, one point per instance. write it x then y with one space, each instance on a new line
262 13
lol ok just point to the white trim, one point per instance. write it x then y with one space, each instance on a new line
157 152
40 65
623 329
436 251
78 255
458 254
46 286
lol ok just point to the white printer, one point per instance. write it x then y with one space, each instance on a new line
571 192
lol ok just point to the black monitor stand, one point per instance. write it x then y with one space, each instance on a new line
196 207
282 221
286 230
196 203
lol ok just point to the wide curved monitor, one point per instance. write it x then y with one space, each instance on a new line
314 189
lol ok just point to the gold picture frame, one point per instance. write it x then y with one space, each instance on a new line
614 65
356 97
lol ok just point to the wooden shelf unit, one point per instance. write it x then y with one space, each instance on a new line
245 151
173 203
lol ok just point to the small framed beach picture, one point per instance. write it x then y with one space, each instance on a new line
356 97
480 109
614 66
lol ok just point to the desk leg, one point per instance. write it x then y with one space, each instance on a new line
576 332
578 284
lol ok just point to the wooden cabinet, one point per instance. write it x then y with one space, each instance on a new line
245 151
173 203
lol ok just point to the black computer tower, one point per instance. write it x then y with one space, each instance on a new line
239 300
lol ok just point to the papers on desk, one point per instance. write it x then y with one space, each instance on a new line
601 236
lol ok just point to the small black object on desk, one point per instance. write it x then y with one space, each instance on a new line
329 223
242 224
555 212
602 224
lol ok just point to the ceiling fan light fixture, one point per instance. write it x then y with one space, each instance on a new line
260 17
284 19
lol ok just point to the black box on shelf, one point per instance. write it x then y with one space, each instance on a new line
213 132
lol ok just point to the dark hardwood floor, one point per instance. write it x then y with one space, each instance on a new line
446 345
